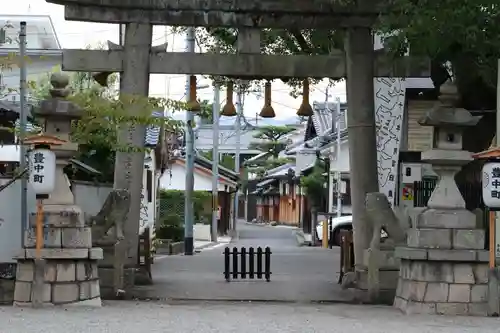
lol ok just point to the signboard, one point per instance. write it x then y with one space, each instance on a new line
491 184
389 101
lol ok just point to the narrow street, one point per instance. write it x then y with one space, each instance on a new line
299 274
187 283
153 317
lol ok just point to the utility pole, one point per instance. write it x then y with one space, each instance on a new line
330 174
188 195
215 161
22 130
339 181
493 294
239 110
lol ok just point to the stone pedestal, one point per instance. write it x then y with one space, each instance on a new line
379 288
107 273
70 262
444 269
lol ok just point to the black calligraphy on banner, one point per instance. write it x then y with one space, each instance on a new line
495 175
38 167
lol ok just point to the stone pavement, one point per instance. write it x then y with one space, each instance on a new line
151 317
299 274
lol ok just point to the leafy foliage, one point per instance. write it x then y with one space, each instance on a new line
274 41
172 207
270 142
447 31
227 161
270 139
103 113
313 183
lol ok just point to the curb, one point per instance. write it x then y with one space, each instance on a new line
271 226
300 237
206 245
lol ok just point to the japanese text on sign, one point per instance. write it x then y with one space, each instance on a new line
42 171
38 161
491 185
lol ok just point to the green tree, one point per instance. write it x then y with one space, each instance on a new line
461 38
206 113
227 161
270 139
103 112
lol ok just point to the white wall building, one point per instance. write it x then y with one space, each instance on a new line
42 48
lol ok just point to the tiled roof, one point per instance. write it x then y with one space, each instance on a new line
323 116
279 171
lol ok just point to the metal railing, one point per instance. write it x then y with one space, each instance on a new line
259 263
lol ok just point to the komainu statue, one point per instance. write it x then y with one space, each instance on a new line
108 224
379 257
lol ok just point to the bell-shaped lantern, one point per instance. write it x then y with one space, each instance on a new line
193 105
305 109
267 111
229 110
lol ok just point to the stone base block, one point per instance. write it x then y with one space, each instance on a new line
455 255
388 279
60 216
64 254
438 238
64 282
384 259
107 277
445 219
454 288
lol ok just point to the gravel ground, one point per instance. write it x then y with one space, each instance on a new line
125 317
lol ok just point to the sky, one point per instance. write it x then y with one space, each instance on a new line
77 35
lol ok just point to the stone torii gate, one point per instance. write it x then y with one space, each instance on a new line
360 64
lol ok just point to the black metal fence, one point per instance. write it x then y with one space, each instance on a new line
251 263
471 192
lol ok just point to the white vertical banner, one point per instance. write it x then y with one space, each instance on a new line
389 110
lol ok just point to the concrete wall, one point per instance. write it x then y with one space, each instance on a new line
175 179
10 219
90 196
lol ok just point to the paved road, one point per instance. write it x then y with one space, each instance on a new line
301 274
131 317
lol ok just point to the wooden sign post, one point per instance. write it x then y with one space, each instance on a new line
491 199
42 171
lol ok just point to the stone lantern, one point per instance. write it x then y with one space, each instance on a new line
444 267
70 272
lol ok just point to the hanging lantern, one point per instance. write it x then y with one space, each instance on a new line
42 170
305 109
42 163
193 105
229 110
267 111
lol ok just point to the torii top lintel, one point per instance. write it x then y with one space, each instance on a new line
224 13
